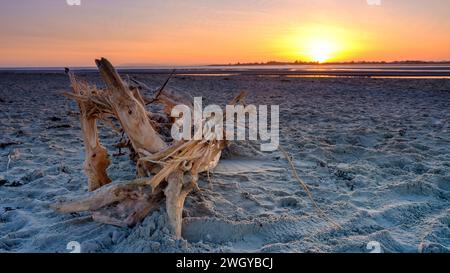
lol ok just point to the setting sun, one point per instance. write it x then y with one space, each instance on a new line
320 50
317 43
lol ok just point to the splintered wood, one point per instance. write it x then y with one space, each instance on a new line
97 159
165 170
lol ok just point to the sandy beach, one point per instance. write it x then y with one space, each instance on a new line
374 152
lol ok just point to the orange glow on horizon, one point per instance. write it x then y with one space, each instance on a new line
216 32
319 44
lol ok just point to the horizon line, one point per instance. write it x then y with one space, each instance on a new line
298 62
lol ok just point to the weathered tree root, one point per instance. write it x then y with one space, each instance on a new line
96 161
130 111
176 193
182 164
119 203
166 171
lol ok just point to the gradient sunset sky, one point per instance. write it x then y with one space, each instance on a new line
193 32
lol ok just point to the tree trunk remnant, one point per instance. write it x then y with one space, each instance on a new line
165 170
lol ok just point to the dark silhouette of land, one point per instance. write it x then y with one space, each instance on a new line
406 62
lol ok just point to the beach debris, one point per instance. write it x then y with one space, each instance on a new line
165 170
13 155
342 174
59 126
6 209
7 144
20 133
3 181
14 184
54 119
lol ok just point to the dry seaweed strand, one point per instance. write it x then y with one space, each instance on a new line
306 188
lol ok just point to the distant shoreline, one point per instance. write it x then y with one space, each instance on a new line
405 69
337 63
405 73
262 64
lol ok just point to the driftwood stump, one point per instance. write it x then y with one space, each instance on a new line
165 170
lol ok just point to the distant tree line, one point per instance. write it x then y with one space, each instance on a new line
331 63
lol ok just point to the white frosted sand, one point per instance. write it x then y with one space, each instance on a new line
375 153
